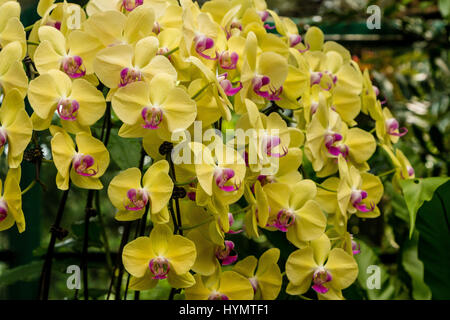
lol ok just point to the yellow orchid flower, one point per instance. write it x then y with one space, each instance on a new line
11 202
228 285
356 189
130 197
329 270
120 65
12 74
388 129
16 127
121 28
403 168
58 15
328 137
74 55
369 103
293 210
263 75
11 29
162 255
159 106
78 104
202 36
83 166
267 279
258 214
220 172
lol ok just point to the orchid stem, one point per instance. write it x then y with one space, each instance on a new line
31 43
28 28
172 51
323 188
199 92
31 185
199 224
386 173
179 184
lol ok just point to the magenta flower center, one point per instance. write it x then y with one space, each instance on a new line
217 296
222 176
285 219
269 143
259 82
294 39
392 128
137 199
227 60
3 137
130 5
129 75
320 277
356 199
226 255
73 67
83 165
68 109
153 116
3 210
203 43
159 267
227 86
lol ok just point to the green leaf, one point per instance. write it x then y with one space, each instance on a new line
416 192
433 224
27 272
444 7
124 152
414 267
388 284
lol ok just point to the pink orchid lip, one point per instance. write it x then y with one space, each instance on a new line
54 24
263 179
227 60
3 137
73 67
231 222
320 277
82 165
285 219
159 267
392 128
356 248
376 90
203 43
294 39
68 109
410 170
129 75
269 27
153 116
254 283
218 296
130 5
222 176
260 81
137 199
263 15
307 47
269 143
356 198
3 210
227 87
225 254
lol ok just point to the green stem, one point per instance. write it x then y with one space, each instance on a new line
386 173
372 131
179 184
31 43
198 225
323 188
172 51
31 185
199 92
286 118
104 234
28 28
